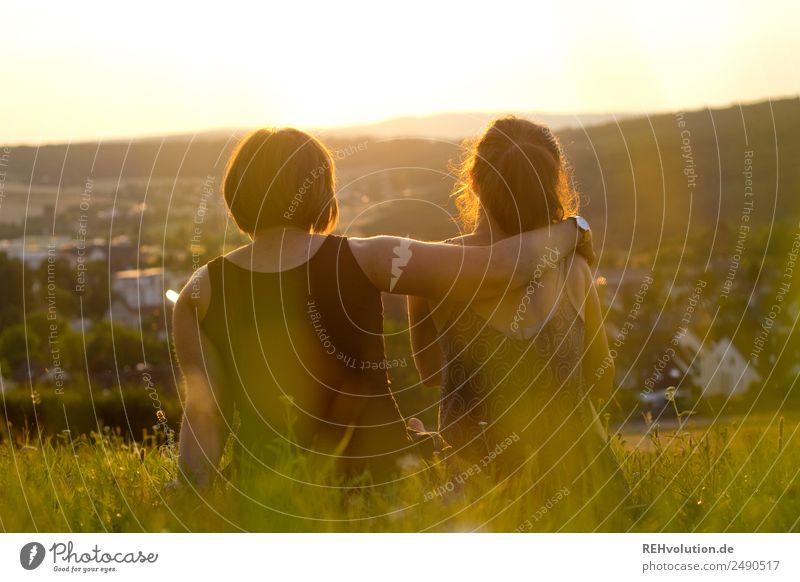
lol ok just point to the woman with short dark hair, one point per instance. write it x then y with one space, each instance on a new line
287 330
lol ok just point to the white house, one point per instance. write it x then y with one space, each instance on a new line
717 368
140 287
33 250
137 291
6 384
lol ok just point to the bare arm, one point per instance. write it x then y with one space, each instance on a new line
598 365
203 429
438 270
424 341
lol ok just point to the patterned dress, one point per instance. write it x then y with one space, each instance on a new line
520 406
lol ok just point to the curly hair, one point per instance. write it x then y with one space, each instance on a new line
516 172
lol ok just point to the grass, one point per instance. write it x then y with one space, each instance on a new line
740 476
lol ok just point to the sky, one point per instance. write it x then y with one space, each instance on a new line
86 70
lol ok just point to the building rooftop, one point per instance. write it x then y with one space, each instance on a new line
139 273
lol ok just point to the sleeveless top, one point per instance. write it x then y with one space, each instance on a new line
304 359
514 403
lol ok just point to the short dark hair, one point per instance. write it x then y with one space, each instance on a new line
281 177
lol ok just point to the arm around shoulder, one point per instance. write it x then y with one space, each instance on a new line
436 270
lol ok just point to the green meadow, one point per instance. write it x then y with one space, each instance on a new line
741 475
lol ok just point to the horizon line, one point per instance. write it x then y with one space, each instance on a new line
629 115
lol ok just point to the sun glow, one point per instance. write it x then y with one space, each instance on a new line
77 72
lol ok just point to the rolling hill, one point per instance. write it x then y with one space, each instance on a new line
646 182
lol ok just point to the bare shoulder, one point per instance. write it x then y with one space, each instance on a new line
458 240
196 294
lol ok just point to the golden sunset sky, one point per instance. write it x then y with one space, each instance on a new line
78 71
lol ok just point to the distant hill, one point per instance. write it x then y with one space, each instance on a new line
634 183
205 152
456 126
632 174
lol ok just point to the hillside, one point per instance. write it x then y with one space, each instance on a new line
635 176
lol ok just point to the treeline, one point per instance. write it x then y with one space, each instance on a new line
47 328
645 182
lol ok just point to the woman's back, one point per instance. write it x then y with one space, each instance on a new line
514 365
303 352
519 311
514 397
